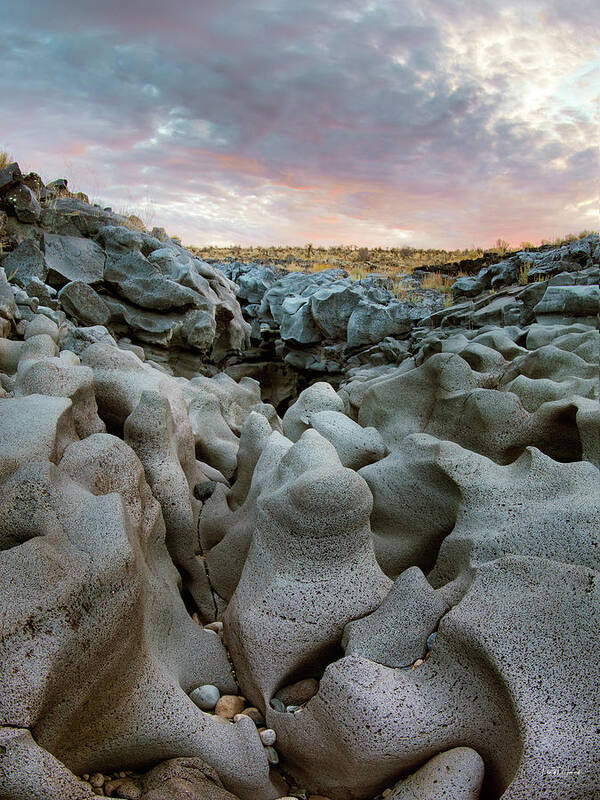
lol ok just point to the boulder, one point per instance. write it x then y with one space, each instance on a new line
10 176
23 203
567 303
81 301
139 281
35 428
70 258
8 306
318 397
56 377
331 308
25 263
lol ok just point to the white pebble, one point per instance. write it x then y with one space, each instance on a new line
217 627
268 737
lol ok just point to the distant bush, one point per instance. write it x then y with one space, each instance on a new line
362 254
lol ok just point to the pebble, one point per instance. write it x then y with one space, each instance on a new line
128 790
229 705
255 715
277 704
298 693
317 797
268 737
272 756
206 697
419 662
431 639
291 709
217 627
97 780
386 792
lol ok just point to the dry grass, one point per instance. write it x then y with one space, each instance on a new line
442 283
524 273
133 222
5 159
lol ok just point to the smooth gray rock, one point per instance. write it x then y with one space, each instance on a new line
71 258
297 323
396 633
309 571
81 301
25 262
318 397
332 307
7 299
137 280
356 446
28 772
456 774
117 239
205 697
568 302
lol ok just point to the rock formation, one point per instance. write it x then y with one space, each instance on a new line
376 573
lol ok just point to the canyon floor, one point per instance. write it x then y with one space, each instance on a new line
289 534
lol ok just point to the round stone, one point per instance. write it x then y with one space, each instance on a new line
206 697
272 756
97 780
229 705
298 693
268 737
217 627
277 705
255 715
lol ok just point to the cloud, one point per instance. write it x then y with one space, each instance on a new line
287 120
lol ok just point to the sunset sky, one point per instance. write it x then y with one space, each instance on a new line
386 122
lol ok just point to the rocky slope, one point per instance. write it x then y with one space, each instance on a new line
389 588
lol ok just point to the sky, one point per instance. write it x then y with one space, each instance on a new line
425 123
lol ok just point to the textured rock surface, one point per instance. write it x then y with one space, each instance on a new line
401 576
309 571
456 774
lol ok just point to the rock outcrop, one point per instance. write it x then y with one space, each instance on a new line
387 581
